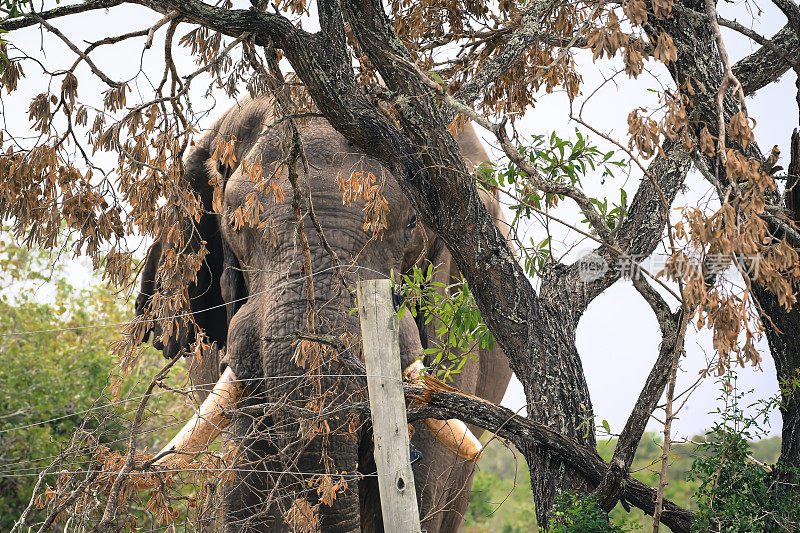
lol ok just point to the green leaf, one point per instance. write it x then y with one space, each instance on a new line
437 78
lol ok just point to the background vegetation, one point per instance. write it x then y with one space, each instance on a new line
501 498
55 385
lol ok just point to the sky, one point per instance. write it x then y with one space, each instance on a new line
617 337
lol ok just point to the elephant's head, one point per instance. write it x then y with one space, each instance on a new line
276 274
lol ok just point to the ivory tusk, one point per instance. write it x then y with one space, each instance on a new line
205 425
457 437
453 433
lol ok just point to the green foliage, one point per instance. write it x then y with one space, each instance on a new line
561 161
501 499
790 386
577 512
13 7
735 493
613 215
460 329
51 382
558 160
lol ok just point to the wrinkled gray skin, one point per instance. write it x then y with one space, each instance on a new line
255 269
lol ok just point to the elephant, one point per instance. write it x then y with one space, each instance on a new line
248 300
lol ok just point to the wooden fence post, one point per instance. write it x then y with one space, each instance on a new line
379 335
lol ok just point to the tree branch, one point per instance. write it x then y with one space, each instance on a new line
443 405
764 66
266 27
528 33
30 19
55 31
785 55
642 228
612 486
432 173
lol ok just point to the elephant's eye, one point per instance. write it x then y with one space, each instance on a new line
412 221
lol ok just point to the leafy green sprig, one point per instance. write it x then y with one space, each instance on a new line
460 329
561 161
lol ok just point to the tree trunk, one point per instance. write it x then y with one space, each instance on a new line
558 397
783 334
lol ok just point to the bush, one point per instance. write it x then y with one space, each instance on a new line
501 499
736 494
53 382
577 512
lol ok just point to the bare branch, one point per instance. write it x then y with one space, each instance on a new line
760 39
99 73
612 486
164 20
764 66
729 80
110 511
31 19
669 416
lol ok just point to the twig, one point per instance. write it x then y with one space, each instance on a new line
55 31
25 21
151 32
614 249
669 416
729 80
19 524
109 512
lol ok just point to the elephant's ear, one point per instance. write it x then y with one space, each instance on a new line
205 295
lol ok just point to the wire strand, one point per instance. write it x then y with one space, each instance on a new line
190 313
19 333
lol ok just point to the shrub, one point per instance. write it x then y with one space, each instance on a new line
737 494
576 512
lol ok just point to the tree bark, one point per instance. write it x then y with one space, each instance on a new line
783 336
764 66
524 432
558 397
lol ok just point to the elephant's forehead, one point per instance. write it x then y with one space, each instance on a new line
322 141
323 146
328 148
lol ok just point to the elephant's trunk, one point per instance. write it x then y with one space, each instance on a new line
207 423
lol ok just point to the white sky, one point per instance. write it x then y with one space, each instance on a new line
617 337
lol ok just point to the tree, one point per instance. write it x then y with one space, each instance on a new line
392 79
